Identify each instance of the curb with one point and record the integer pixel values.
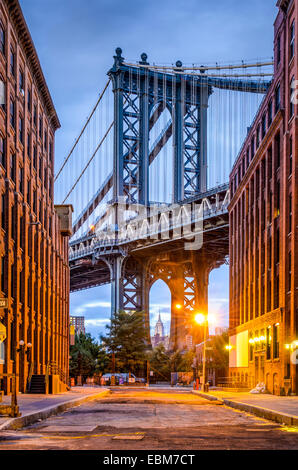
(31, 418)
(259, 411)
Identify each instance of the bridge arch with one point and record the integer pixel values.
(159, 305)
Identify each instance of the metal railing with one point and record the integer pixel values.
(30, 376)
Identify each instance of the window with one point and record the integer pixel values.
(12, 62)
(290, 156)
(290, 213)
(2, 151)
(277, 207)
(276, 341)
(21, 179)
(34, 201)
(45, 178)
(40, 127)
(277, 246)
(34, 157)
(2, 39)
(251, 347)
(2, 274)
(12, 166)
(290, 271)
(13, 222)
(292, 98)
(21, 129)
(277, 99)
(3, 211)
(29, 145)
(278, 50)
(50, 188)
(247, 159)
(29, 100)
(258, 135)
(12, 113)
(263, 126)
(51, 150)
(269, 163)
(28, 191)
(277, 151)
(21, 81)
(35, 115)
(45, 140)
(262, 339)
(40, 167)
(2, 93)
(252, 147)
(268, 293)
(268, 342)
(292, 40)
(270, 112)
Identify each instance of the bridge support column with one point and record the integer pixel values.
(116, 287)
(178, 331)
(130, 287)
(202, 266)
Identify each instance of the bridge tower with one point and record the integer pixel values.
(140, 97)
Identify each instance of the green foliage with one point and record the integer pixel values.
(219, 354)
(127, 339)
(217, 357)
(163, 362)
(87, 357)
(160, 363)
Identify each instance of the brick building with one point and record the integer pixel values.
(34, 274)
(79, 324)
(263, 228)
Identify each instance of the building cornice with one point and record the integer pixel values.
(283, 5)
(17, 17)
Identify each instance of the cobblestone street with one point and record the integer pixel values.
(151, 419)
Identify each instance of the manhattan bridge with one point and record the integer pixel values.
(148, 180)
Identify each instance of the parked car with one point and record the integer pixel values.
(122, 378)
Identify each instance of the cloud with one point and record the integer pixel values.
(97, 322)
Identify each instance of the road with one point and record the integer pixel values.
(151, 419)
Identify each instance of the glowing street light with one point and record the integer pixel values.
(202, 319)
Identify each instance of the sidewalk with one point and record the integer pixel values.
(34, 407)
(280, 409)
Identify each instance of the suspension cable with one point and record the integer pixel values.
(82, 131)
(193, 68)
(89, 161)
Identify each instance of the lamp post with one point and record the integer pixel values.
(202, 319)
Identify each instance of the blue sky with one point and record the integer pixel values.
(75, 41)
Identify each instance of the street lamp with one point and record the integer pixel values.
(202, 319)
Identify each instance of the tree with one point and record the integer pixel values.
(163, 362)
(160, 363)
(219, 354)
(83, 356)
(103, 360)
(127, 339)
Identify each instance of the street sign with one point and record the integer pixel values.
(2, 332)
(3, 302)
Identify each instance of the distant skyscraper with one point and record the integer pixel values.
(159, 335)
(159, 328)
(78, 323)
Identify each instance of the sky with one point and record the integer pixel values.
(76, 40)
